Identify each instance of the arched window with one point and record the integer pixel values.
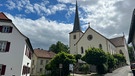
(82, 50)
(121, 52)
(100, 46)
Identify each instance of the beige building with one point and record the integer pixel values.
(39, 60)
(79, 41)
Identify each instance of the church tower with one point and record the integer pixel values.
(75, 35)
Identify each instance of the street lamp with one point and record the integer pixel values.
(60, 66)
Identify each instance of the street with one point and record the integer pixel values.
(123, 71)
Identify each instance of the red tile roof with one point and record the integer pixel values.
(118, 41)
(44, 53)
(4, 17)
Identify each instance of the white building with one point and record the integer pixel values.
(39, 60)
(15, 50)
(79, 41)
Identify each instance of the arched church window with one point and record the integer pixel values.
(121, 52)
(74, 37)
(100, 46)
(82, 51)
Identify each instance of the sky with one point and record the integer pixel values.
(45, 22)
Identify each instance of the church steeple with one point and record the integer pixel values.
(76, 27)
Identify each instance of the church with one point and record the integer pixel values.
(80, 41)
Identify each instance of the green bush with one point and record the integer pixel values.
(102, 69)
(61, 58)
(84, 68)
(111, 61)
(121, 58)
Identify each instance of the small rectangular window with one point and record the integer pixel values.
(74, 37)
(2, 69)
(41, 69)
(41, 62)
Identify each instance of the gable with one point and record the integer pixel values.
(91, 38)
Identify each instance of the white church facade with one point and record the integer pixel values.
(79, 41)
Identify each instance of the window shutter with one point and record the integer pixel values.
(30, 55)
(7, 47)
(10, 29)
(1, 28)
(3, 69)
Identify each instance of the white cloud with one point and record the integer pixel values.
(11, 4)
(42, 32)
(41, 8)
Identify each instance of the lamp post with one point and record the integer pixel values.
(60, 66)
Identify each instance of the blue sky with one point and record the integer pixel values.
(47, 21)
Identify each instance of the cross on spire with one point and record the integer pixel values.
(88, 24)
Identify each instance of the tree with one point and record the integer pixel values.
(111, 62)
(61, 58)
(77, 56)
(97, 57)
(59, 47)
(121, 58)
(131, 54)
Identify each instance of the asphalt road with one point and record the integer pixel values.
(124, 71)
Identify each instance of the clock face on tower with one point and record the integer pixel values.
(89, 37)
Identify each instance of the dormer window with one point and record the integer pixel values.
(6, 29)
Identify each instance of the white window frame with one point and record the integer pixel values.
(3, 45)
(6, 29)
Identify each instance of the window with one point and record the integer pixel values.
(2, 69)
(82, 50)
(121, 52)
(89, 37)
(26, 70)
(41, 62)
(100, 46)
(4, 46)
(40, 69)
(74, 37)
(28, 53)
(6, 29)
(47, 61)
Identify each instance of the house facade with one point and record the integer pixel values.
(131, 38)
(15, 49)
(39, 60)
(79, 41)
